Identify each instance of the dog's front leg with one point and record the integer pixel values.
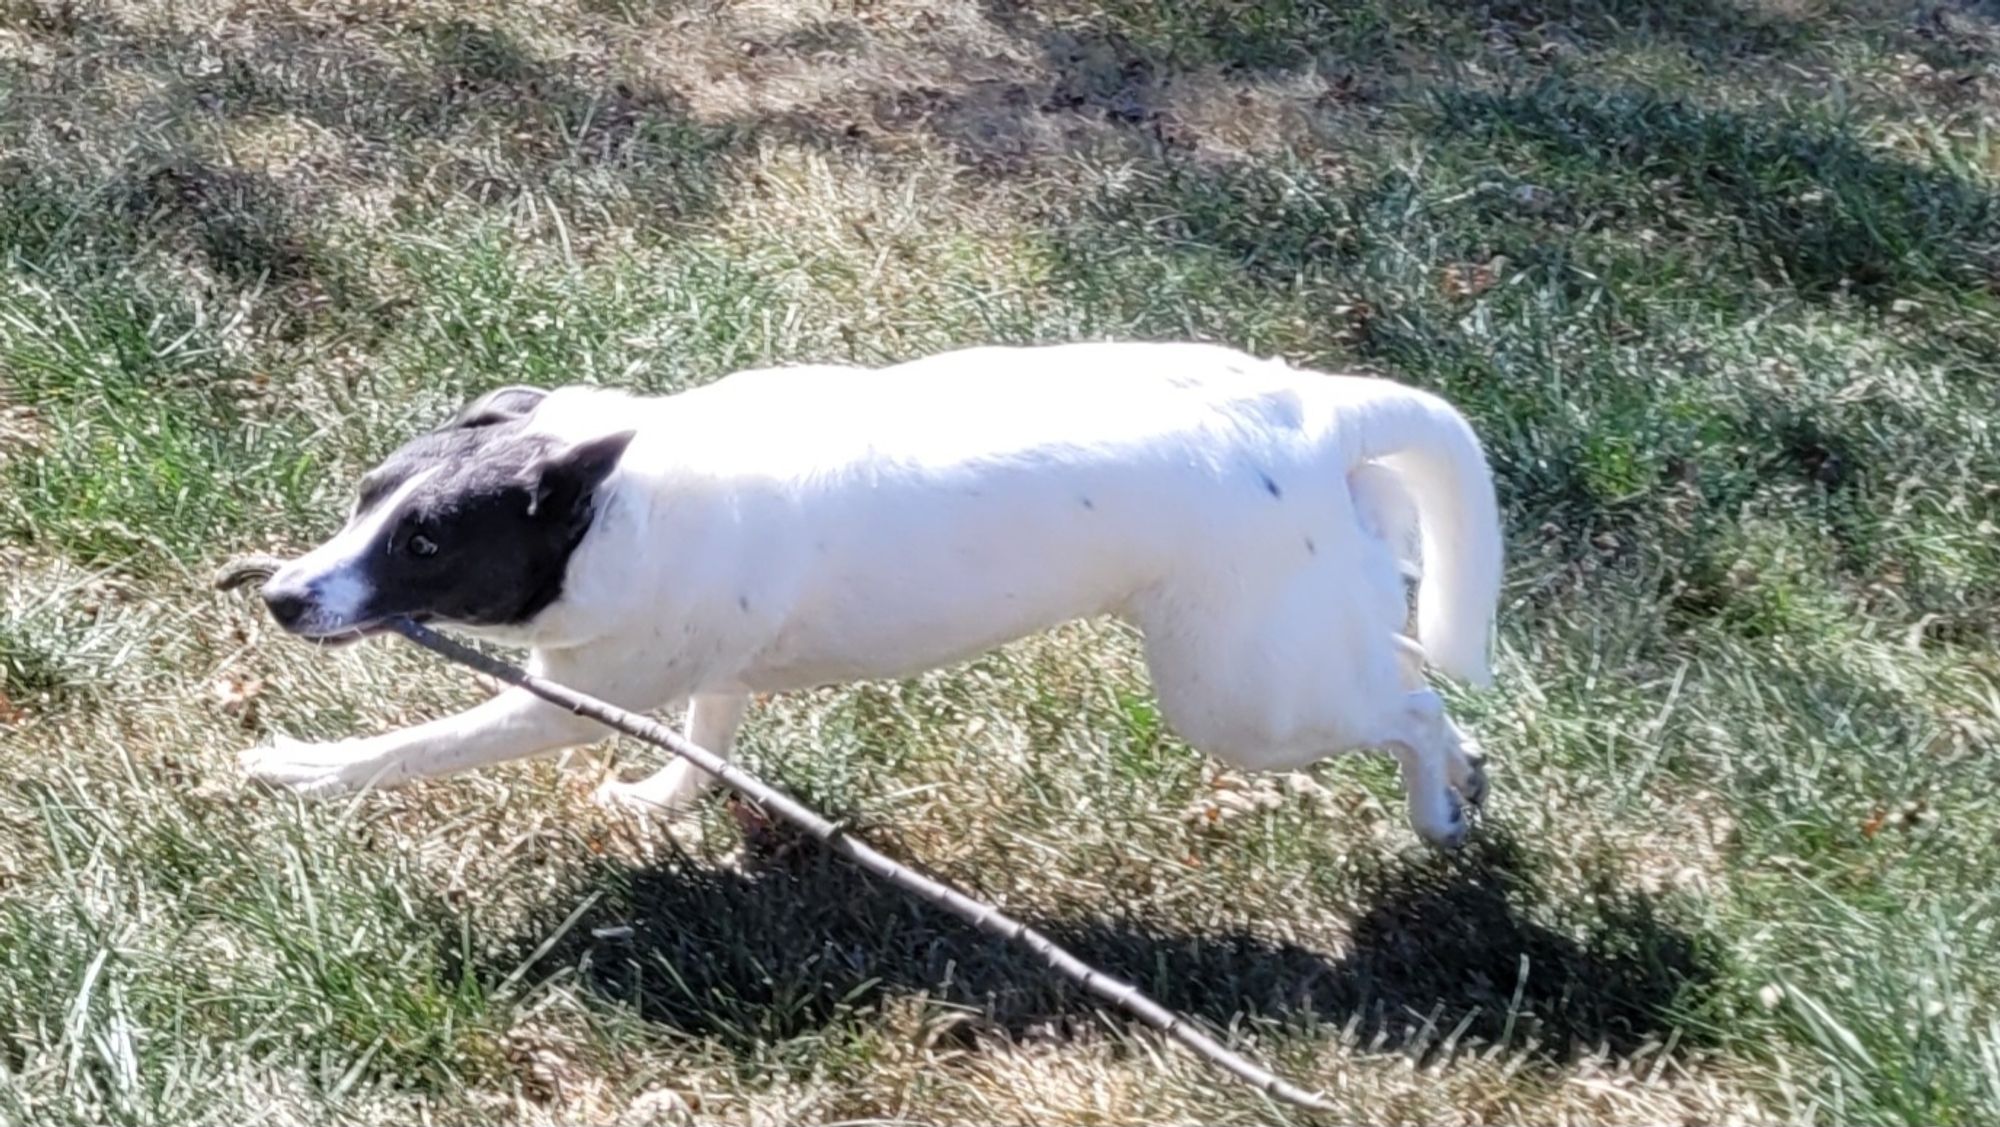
(712, 721)
(513, 725)
(510, 726)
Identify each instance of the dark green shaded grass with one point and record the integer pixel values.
(1813, 208)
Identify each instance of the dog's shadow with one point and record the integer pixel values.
(1442, 956)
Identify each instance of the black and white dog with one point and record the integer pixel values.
(793, 527)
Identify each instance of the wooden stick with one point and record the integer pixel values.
(983, 916)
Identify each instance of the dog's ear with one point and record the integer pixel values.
(501, 405)
(561, 481)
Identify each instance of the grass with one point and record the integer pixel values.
(1716, 281)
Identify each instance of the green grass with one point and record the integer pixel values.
(1716, 282)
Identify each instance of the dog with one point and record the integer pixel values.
(790, 527)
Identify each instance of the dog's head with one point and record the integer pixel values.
(473, 523)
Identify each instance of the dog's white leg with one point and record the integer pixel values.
(513, 725)
(510, 726)
(1463, 764)
(1433, 766)
(712, 722)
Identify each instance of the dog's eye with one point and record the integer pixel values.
(422, 546)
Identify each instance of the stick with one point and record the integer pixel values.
(243, 569)
(982, 916)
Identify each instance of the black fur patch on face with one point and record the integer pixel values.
(485, 540)
(482, 520)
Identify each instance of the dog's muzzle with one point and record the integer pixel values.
(290, 605)
(301, 609)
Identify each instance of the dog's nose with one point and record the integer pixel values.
(288, 604)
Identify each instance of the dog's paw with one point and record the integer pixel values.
(661, 796)
(1449, 831)
(627, 801)
(1472, 788)
(316, 770)
(655, 819)
(640, 803)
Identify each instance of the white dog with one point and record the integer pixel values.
(791, 527)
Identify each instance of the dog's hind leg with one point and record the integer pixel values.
(1464, 766)
(1436, 771)
(512, 725)
(712, 721)
(1290, 676)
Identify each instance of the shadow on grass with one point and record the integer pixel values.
(489, 120)
(521, 123)
(1268, 36)
(1438, 948)
(1800, 205)
(469, 114)
(1120, 76)
(1811, 208)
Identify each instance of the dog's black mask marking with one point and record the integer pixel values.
(485, 537)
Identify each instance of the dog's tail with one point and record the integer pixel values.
(1437, 460)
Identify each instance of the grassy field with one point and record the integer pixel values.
(1715, 279)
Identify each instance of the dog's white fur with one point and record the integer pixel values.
(791, 527)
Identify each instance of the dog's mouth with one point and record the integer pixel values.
(343, 638)
(348, 635)
(260, 568)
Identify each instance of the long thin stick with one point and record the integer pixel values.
(980, 915)
(983, 916)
